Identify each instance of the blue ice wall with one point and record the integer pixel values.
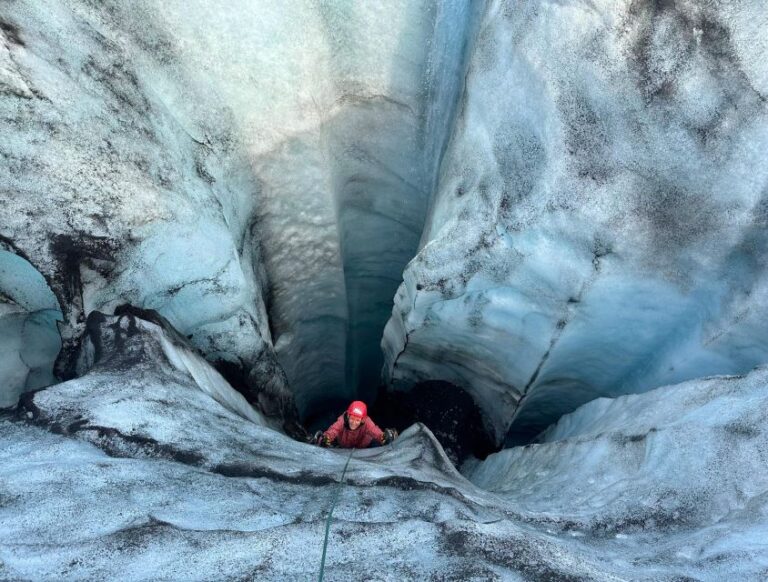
(599, 225)
(29, 338)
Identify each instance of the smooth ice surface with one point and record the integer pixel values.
(600, 222)
(29, 339)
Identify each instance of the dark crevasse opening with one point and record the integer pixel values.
(447, 410)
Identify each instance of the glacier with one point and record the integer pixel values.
(531, 234)
(148, 474)
(199, 191)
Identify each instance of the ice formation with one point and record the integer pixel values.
(29, 339)
(200, 153)
(123, 183)
(600, 223)
(189, 489)
(207, 212)
(672, 459)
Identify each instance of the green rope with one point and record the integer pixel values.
(336, 496)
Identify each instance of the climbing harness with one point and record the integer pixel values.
(328, 520)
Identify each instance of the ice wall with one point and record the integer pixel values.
(218, 164)
(123, 179)
(346, 154)
(344, 110)
(600, 223)
(29, 339)
(260, 176)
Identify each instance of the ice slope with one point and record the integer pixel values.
(681, 467)
(689, 454)
(190, 490)
(70, 512)
(144, 476)
(600, 223)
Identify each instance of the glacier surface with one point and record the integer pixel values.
(147, 475)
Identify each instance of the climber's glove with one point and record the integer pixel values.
(320, 439)
(390, 434)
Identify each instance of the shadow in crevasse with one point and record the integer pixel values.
(447, 410)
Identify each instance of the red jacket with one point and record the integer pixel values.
(360, 438)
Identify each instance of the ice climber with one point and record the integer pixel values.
(355, 430)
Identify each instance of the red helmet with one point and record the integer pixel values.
(357, 408)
